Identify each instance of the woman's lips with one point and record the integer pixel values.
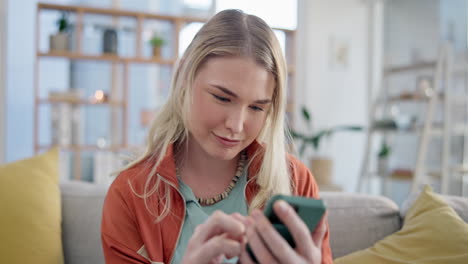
(226, 141)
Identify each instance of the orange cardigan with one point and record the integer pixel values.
(129, 233)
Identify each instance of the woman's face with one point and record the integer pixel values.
(231, 100)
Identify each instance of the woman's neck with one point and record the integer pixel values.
(206, 175)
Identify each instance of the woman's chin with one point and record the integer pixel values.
(224, 153)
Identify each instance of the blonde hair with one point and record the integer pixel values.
(228, 33)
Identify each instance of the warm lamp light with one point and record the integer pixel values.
(99, 97)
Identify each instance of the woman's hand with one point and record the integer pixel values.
(221, 235)
(268, 245)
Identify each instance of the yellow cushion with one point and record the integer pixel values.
(30, 218)
(432, 233)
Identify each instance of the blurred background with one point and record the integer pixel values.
(377, 90)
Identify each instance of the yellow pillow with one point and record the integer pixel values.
(432, 233)
(30, 214)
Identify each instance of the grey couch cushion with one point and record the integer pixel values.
(81, 222)
(357, 221)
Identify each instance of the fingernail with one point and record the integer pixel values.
(282, 206)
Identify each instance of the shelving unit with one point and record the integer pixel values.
(438, 94)
(118, 95)
(113, 103)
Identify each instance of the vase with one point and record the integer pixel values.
(58, 42)
(382, 166)
(109, 42)
(156, 51)
(322, 169)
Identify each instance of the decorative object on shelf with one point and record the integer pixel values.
(61, 124)
(382, 162)
(71, 96)
(99, 97)
(157, 42)
(109, 41)
(60, 41)
(65, 117)
(321, 167)
(105, 163)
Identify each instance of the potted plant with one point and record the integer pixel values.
(321, 166)
(382, 162)
(157, 42)
(59, 41)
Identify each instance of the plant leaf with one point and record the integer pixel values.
(306, 116)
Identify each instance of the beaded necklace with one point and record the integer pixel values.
(225, 193)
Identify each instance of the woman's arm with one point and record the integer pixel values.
(121, 241)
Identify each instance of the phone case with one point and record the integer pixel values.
(308, 209)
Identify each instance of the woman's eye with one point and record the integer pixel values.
(256, 108)
(220, 98)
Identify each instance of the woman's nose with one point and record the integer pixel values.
(235, 121)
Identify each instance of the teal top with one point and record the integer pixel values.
(196, 214)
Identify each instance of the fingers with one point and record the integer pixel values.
(256, 243)
(244, 258)
(319, 232)
(296, 227)
(240, 218)
(216, 246)
(218, 223)
(279, 247)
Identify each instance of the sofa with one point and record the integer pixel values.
(356, 221)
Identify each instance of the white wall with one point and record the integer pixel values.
(20, 58)
(334, 96)
(3, 27)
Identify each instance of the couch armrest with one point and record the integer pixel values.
(357, 221)
(81, 222)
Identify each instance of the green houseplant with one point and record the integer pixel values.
(382, 162)
(320, 166)
(157, 42)
(313, 139)
(62, 23)
(60, 40)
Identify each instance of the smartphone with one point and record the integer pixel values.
(308, 209)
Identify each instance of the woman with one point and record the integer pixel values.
(215, 155)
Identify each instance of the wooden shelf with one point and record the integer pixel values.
(105, 57)
(76, 148)
(410, 67)
(80, 102)
(119, 12)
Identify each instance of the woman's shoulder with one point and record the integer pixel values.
(132, 177)
(296, 163)
(304, 181)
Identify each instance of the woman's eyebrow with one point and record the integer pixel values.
(231, 93)
(225, 90)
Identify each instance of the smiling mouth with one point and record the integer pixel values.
(227, 140)
(230, 140)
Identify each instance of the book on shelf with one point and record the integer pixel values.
(69, 96)
(66, 125)
(105, 163)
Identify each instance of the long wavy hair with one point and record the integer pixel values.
(228, 33)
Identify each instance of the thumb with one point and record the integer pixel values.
(319, 232)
